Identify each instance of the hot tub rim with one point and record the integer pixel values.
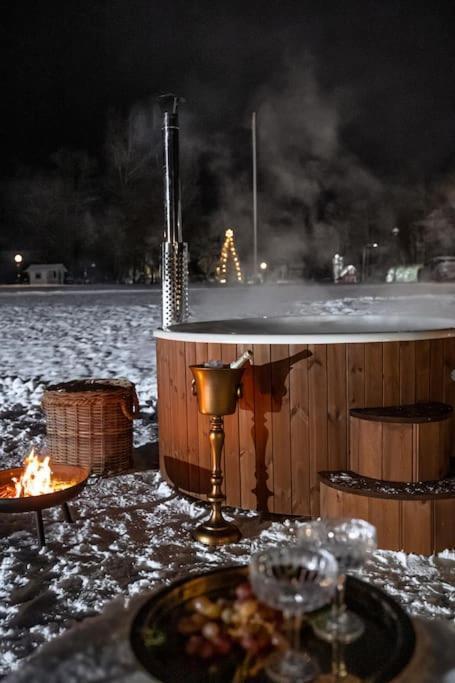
(276, 338)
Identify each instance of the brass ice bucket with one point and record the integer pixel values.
(217, 391)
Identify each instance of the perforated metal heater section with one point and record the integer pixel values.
(174, 269)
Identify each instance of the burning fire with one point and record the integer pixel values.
(36, 479)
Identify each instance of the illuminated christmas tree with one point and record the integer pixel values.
(228, 256)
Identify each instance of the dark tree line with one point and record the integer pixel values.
(103, 217)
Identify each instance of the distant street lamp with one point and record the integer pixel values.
(365, 257)
(18, 261)
(263, 265)
(396, 255)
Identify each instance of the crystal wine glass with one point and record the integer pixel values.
(350, 541)
(294, 580)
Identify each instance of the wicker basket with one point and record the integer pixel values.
(90, 422)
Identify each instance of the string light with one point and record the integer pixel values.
(228, 250)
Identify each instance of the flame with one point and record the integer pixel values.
(35, 480)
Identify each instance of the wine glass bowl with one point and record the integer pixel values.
(350, 541)
(294, 580)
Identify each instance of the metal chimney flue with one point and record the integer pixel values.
(174, 252)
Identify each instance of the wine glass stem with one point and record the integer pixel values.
(339, 604)
(339, 669)
(293, 627)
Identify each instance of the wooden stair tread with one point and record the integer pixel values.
(350, 482)
(431, 411)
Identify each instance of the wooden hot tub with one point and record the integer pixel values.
(293, 419)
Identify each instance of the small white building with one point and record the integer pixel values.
(46, 273)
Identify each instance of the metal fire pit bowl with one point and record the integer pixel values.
(48, 500)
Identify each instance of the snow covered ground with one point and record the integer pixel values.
(132, 530)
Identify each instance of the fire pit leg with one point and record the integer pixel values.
(40, 528)
(67, 513)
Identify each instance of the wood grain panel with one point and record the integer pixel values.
(385, 516)
(263, 427)
(168, 465)
(355, 506)
(437, 370)
(231, 443)
(407, 372)
(247, 449)
(417, 529)
(444, 525)
(356, 375)
(317, 396)
(162, 383)
(422, 370)
(337, 445)
(397, 452)
(354, 454)
(281, 431)
(391, 373)
(331, 502)
(432, 455)
(179, 414)
(373, 375)
(370, 448)
(192, 423)
(300, 429)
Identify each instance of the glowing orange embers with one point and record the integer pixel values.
(35, 480)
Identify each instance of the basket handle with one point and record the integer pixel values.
(135, 415)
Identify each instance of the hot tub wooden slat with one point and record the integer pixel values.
(336, 406)
(246, 436)
(422, 370)
(432, 450)
(407, 372)
(417, 526)
(373, 374)
(356, 374)
(317, 394)
(192, 422)
(370, 449)
(231, 484)
(397, 443)
(391, 373)
(180, 425)
(163, 410)
(436, 369)
(444, 514)
(300, 431)
(281, 426)
(263, 426)
(385, 516)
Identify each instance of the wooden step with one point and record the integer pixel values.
(406, 443)
(416, 517)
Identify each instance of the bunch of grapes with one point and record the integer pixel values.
(216, 627)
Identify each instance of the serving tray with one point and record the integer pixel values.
(378, 656)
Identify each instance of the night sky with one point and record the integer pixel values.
(64, 64)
